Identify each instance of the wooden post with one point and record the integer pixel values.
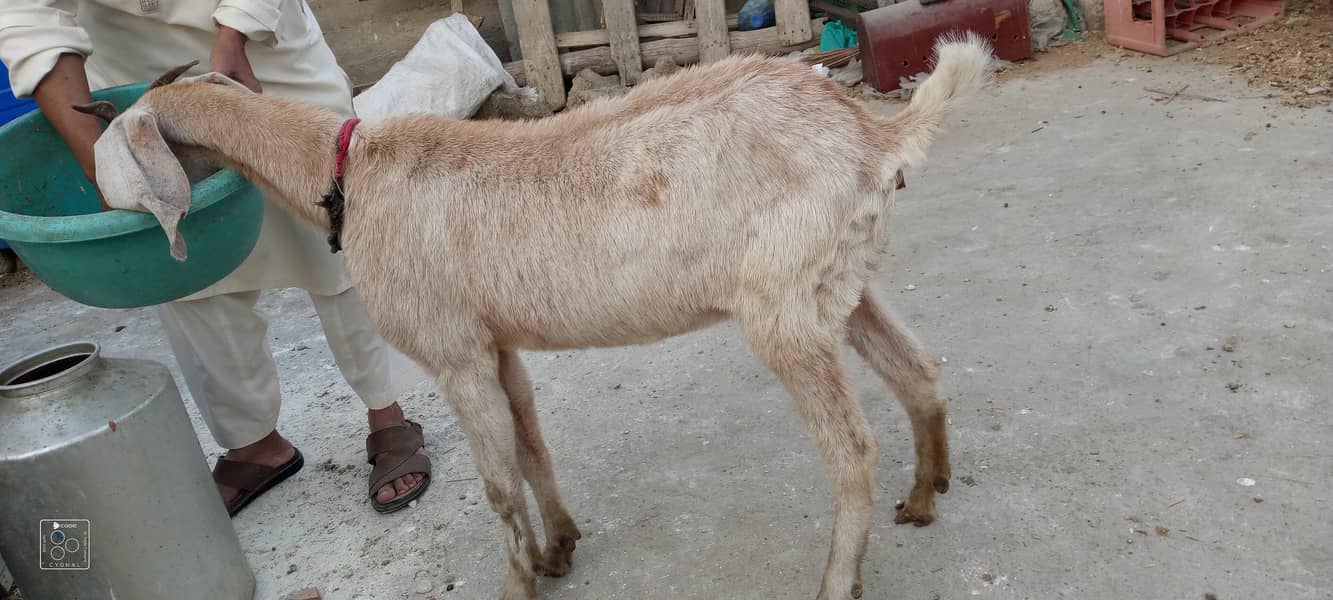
(793, 20)
(623, 31)
(712, 18)
(541, 60)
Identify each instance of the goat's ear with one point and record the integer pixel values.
(136, 170)
(216, 78)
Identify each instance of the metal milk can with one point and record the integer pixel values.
(105, 493)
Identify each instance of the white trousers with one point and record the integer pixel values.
(221, 344)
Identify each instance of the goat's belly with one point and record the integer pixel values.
(572, 330)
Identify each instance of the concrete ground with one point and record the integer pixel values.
(1133, 299)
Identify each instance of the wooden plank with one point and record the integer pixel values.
(599, 37)
(511, 29)
(793, 20)
(711, 16)
(541, 60)
(623, 33)
(683, 51)
(848, 15)
(658, 17)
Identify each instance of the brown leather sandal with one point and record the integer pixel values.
(251, 479)
(393, 451)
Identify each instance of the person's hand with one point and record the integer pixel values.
(228, 57)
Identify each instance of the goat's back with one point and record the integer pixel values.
(625, 220)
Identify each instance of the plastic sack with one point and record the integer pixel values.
(756, 14)
(450, 72)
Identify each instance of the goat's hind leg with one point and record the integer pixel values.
(905, 365)
(535, 462)
(805, 357)
(473, 389)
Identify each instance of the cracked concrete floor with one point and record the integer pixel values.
(1082, 252)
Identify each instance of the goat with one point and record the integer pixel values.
(752, 188)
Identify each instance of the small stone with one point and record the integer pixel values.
(1258, 500)
(291, 569)
(1050, 308)
(502, 105)
(120, 328)
(424, 587)
(663, 67)
(412, 504)
(910, 287)
(310, 593)
(1228, 347)
(1319, 89)
(987, 577)
(1289, 325)
(1246, 482)
(589, 86)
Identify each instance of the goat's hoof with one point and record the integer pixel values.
(941, 485)
(519, 589)
(856, 591)
(559, 559)
(906, 515)
(557, 564)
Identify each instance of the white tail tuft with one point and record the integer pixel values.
(963, 65)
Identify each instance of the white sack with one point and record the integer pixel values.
(450, 72)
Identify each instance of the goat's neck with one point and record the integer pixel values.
(283, 146)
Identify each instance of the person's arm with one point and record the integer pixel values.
(43, 46)
(228, 57)
(62, 88)
(239, 22)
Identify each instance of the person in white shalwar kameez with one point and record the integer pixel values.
(58, 50)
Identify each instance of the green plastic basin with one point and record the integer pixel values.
(50, 215)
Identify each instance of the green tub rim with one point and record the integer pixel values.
(17, 227)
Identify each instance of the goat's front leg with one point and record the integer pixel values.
(475, 394)
(535, 461)
(809, 366)
(912, 372)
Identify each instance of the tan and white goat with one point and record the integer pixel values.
(753, 189)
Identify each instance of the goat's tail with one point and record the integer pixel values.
(963, 66)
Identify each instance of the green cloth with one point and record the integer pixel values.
(835, 36)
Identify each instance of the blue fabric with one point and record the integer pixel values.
(10, 107)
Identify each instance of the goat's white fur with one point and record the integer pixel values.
(752, 188)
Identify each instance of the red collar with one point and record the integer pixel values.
(333, 201)
(344, 144)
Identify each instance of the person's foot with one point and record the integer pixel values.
(271, 451)
(392, 416)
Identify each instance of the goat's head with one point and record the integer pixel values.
(136, 168)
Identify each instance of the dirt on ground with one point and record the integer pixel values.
(1293, 57)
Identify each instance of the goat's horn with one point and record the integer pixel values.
(171, 75)
(101, 108)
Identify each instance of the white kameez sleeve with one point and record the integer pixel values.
(257, 19)
(33, 34)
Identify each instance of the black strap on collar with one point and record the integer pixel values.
(333, 203)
